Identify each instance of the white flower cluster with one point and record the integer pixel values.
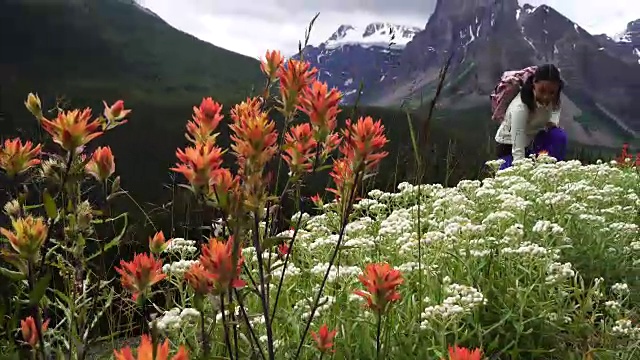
(276, 269)
(176, 318)
(462, 300)
(341, 271)
(624, 327)
(547, 227)
(181, 247)
(178, 268)
(527, 249)
(304, 306)
(558, 272)
(620, 288)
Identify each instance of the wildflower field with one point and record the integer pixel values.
(539, 261)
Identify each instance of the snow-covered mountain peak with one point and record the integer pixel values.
(622, 37)
(375, 34)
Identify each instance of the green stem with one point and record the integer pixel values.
(36, 311)
(378, 332)
(227, 341)
(203, 336)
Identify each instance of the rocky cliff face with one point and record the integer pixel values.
(352, 56)
(488, 37)
(625, 45)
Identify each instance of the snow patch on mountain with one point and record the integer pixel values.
(622, 37)
(374, 35)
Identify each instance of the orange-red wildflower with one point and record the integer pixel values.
(299, 149)
(322, 106)
(343, 177)
(317, 201)
(223, 180)
(254, 136)
(217, 259)
(294, 75)
(140, 274)
(461, 353)
(72, 129)
(198, 163)
(199, 279)
(30, 330)
(626, 159)
(28, 235)
(223, 183)
(273, 60)
(381, 282)
(324, 339)
(364, 141)
(283, 250)
(206, 119)
(158, 243)
(145, 351)
(251, 107)
(115, 114)
(102, 164)
(16, 157)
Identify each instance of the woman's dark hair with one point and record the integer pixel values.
(546, 72)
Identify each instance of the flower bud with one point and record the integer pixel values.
(84, 216)
(102, 164)
(34, 105)
(13, 209)
(158, 243)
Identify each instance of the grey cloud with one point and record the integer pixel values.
(279, 9)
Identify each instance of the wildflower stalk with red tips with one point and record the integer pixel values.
(362, 151)
(324, 339)
(380, 281)
(270, 66)
(462, 353)
(205, 121)
(148, 350)
(140, 274)
(27, 237)
(254, 140)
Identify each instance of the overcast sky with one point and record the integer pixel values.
(251, 27)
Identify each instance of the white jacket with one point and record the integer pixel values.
(520, 126)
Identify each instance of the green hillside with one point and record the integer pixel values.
(85, 51)
(115, 49)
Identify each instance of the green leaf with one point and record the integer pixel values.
(274, 241)
(49, 205)
(14, 259)
(115, 186)
(115, 241)
(3, 312)
(370, 175)
(32, 207)
(414, 141)
(114, 195)
(39, 289)
(323, 167)
(13, 275)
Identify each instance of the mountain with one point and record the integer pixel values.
(488, 37)
(351, 56)
(625, 45)
(75, 53)
(112, 48)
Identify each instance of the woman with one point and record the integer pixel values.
(530, 124)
